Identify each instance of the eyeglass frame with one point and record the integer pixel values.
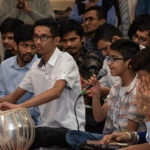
(39, 37)
(90, 19)
(140, 38)
(113, 59)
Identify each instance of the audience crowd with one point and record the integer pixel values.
(50, 66)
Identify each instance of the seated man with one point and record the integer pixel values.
(81, 6)
(7, 35)
(104, 36)
(14, 69)
(55, 81)
(118, 110)
(72, 42)
(142, 36)
(87, 61)
(93, 18)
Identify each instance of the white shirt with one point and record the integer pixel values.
(148, 132)
(59, 112)
(109, 80)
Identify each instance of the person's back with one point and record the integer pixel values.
(31, 11)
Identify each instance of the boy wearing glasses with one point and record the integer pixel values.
(55, 81)
(118, 110)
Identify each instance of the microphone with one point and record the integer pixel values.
(101, 73)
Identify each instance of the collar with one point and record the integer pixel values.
(131, 87)
(52, 60)
(15, 65)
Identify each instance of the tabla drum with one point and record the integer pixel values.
(17, 130)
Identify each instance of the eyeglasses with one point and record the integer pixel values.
(42, 37)
(90, 19)
(140, 38)
(113, 59)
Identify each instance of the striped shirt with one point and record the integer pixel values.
(120, 109)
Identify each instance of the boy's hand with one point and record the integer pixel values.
(6, 106)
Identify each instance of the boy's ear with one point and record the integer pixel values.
(128, 63)
(115, 38)
(102, 21)
(82, 39)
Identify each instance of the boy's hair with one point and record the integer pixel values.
(137, 22)
(50, 23)
(106, 32)
(101, 13)
(145, 27)
(70, 25)
(23, 33)
(142, 60)
(127, 48)
(9, 25)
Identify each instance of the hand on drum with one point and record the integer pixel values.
(6, 106)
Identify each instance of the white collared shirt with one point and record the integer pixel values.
(59, 112)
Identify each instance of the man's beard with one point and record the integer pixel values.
(22, 57)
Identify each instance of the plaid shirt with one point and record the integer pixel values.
(120, 109)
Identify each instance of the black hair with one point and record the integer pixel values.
(127, 48)
(23, 33)
(70, 25)
(50, 23)
(101, 12)
(9, 25)
(106, 32)
(141, 61)
(137, 22)
(145, 27)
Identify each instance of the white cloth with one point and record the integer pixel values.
(59, 112)
(109, 80)
(148, 132)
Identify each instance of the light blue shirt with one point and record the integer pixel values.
(148, 132)
(111, 16)
(10, 77)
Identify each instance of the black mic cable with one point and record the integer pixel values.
(101, 73)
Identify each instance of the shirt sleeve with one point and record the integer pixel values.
(75, 14)
(68, 70)
(133, 114)
(26, 83)
(140, 7)
(148, 132)
(2, 87)
(111, 16)
(46, 9)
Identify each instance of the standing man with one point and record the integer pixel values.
(13, 70)
(7, 35)
(55, 81)
(27, 10)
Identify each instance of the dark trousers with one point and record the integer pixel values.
(48, 137)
